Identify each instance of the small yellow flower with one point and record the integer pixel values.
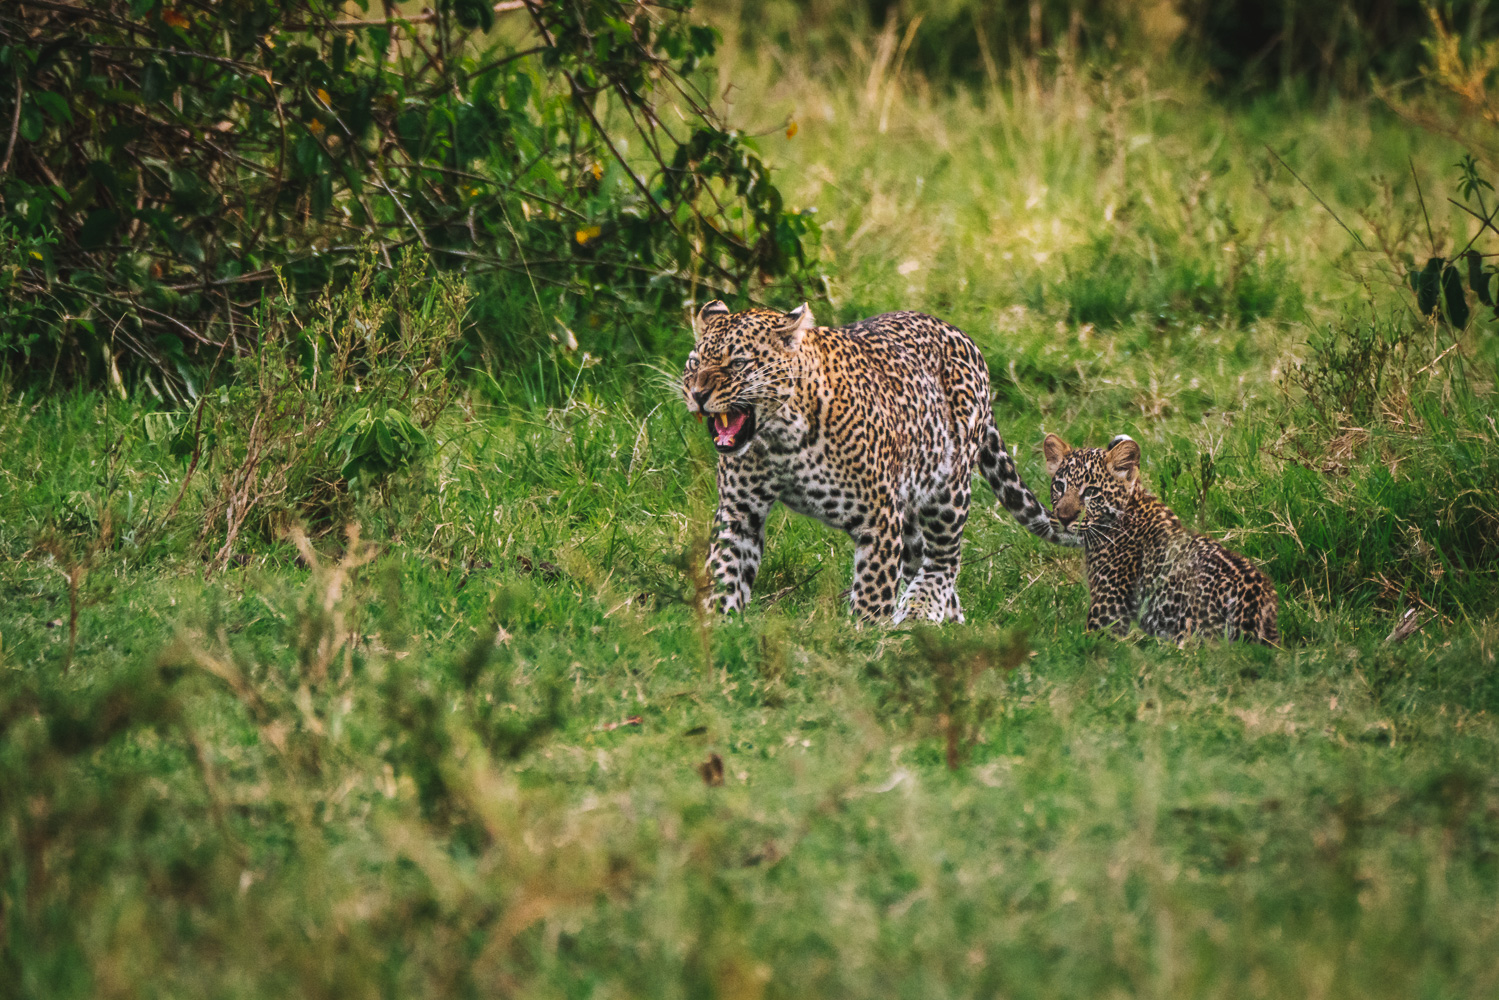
(175, 19)
(584, 235)
(597, 170)
(36, 255)
(791, 129)
(322, 95)
(315, 127)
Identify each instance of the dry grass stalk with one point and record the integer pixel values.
(1408, 625)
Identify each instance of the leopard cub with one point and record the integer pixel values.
(1142, 564)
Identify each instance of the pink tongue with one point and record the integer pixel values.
(725, 435)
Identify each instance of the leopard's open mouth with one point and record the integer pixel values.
(732, 430)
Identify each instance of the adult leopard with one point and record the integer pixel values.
(873, 428)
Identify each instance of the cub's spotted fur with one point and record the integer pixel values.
(1142, 563)
(872, 428)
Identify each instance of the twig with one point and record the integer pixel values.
(91, 15)
(1483, 220)
(505, 7)
(580, 99)
(792, 588)
(1438, 359)
(1315, 195)
(1408, 624)
(990, 555)
(186, 54)
(15, 124)
(1422, 199)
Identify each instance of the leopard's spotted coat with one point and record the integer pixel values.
(873, 428)
(1142, 563)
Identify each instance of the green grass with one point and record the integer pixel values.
(474, 764)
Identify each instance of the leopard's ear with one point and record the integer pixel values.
(797, 322)
(1055, 450)
(1123, 459)
(700, 322)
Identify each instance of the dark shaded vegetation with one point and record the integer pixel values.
(1242, 49)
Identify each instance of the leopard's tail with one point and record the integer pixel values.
(998, 468)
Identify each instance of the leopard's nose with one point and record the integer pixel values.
(1066, 519)
(701, 398)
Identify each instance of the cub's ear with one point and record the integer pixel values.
(797, 322)
(1055, 449)
(1123, 459)
(700, 322)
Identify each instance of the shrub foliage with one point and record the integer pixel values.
(165, 159)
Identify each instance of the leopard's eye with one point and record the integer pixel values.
(1057, 486)
(738, 364)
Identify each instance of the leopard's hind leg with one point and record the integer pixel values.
(933, 594)
(913, 547)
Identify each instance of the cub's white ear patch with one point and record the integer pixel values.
(716, 306)
(1123, 459)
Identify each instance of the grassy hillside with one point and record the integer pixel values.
(484, 745)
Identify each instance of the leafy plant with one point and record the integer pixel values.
(1355, 365)
(1439, 284)
(374, 445)
(332, 398)
(938, 676)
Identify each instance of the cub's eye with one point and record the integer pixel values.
(738, 364)
(1089, 492)
(1057, 486)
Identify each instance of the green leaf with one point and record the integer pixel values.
(1453, 299)
(411, 126)
(99, 227)
(386, 443)
(55, 105)
(32, 122)
(154, 82)
(1427, 285)
(1478, 279)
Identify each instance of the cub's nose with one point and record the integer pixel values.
(701, 398)
(1066, 519)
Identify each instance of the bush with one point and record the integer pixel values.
(1396, 467)
(320, 410)
(170, 164)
